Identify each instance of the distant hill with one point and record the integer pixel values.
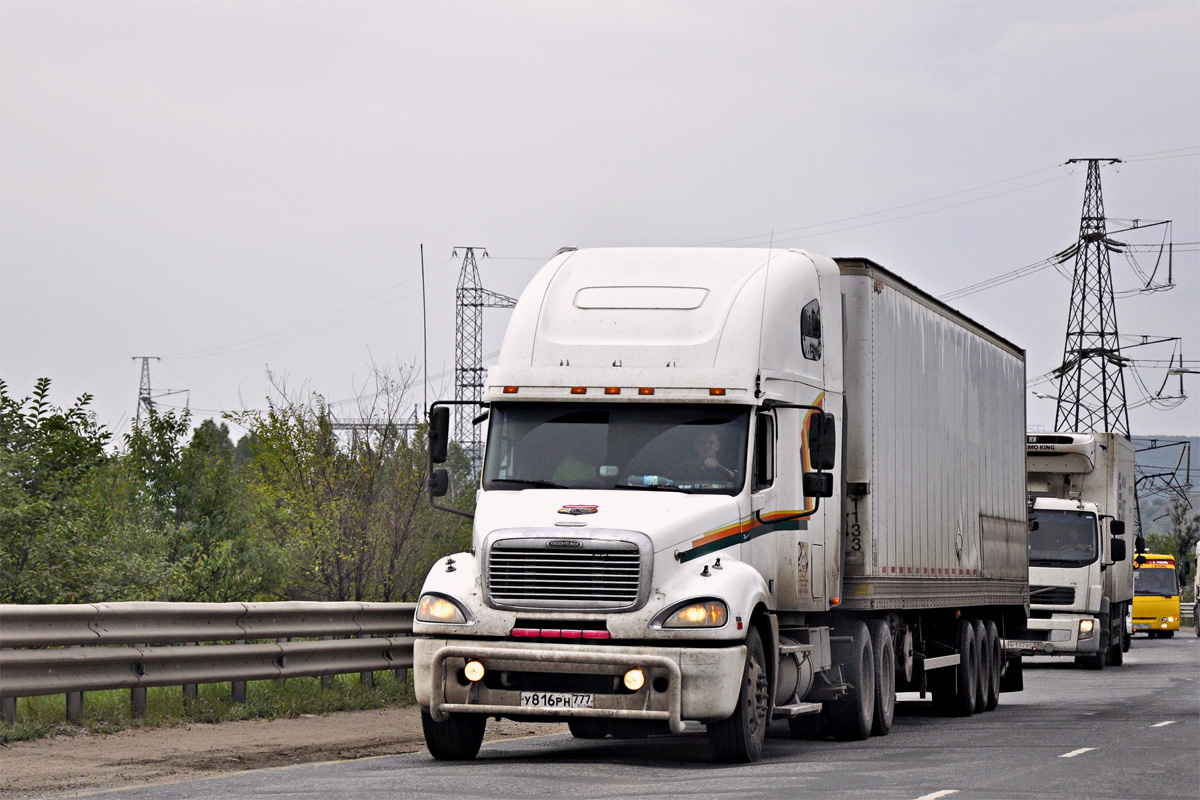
(1159, 460)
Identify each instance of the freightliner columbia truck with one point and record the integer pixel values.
(730, 486)
(1083, 514)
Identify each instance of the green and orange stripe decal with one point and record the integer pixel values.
(743, 531)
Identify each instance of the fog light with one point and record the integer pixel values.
(473, 670)
(634, 679)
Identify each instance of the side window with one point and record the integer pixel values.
(810, 331)
(764, 452)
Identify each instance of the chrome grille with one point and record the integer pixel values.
(1051, 595)
(541, 573)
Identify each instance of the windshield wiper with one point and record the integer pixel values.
(526, 483)
(652, 488)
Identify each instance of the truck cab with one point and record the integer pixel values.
(1080, 576)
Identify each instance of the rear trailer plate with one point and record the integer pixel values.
(557, 700)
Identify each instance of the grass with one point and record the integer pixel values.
(109, 711)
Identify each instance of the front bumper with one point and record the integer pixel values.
(682, 683)
(1057, 636)
(1147, 624)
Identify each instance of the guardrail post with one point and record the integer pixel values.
(8, 709)
(366, 679)
(191, 691)
(75, 708)
(326, 680)
(137, 699)
(137, 702)
(237, 689)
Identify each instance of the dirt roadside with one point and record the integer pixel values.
(90, 762)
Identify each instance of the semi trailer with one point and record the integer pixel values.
(730, 486)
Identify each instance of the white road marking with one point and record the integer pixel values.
(1163, 724)
(1074, 753)
(936, 795)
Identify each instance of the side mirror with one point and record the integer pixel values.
(439, 483)
(1139, 544)
(822, 442)
(818, 484)
(1116, 528)
(439, 435)
(1118, 548)
(1140, 560)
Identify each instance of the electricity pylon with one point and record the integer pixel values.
(1091, 379)
(145, 400)
(471, 298)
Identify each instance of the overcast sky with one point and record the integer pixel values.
(245, 185)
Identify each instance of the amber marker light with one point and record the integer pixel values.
(717, 392)
(578, 390)
(635, 679)
(833, 601)
(612, 389)
(646, 390)
(511, 389)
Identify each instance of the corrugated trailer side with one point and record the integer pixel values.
(934, 505)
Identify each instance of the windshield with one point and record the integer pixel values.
(1062, 539)
(1158, 581)
(661, 447)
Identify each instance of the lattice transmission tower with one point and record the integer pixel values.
(471, 298)
(145, 400)
(1091, 379)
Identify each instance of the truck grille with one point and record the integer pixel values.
(1051, 595)
(542, 573)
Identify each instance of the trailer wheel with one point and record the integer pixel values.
(983, 661)
(852, 716)
(954, 690)
(994, 652)
(885, 677)
(456, 739)
(739, 739)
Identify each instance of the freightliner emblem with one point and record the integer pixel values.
(575, 511)
(564, 543)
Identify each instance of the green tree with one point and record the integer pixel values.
(1180, 538)
(46, 453)
(348, 501)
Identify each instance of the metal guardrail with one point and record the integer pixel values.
(64, 649)
(1187, 610)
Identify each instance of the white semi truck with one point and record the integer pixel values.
(1081, 543)
(730, 486)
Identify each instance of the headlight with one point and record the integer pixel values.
(707, 613)
(1086, 626)
(436, 608)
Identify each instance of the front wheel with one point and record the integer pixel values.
(456, 739)
(739, 739)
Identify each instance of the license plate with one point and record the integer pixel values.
(1017, 644)
(557, 700)
(1142, 627)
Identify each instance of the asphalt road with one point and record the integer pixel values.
(1129, 732)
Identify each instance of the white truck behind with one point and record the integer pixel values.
(729, 486)
(1083, 527)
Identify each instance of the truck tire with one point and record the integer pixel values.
(1116, 653)
(983, 661)
(852, 715)
(954, 690)
(587, 728)
(1100, 658)
(739, 739)
(456, 739)
(995, 654)
(884, 648)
